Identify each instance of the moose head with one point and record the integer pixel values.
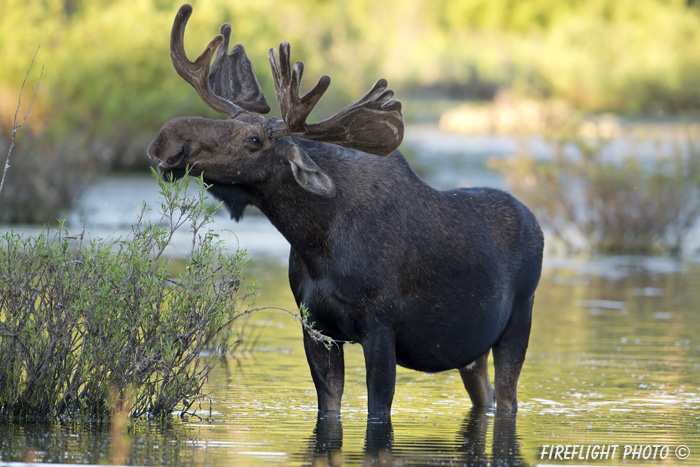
(245, 147)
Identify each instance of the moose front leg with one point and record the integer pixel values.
(328, 372)
(380, 363)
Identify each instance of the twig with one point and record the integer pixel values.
(317, 336)
(16, 126)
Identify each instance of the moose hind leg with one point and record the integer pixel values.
(327, 367)
(509, 355)
(475, 377)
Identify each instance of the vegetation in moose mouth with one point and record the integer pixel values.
(172, 174)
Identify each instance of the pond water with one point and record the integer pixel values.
(613, 368)
(614, 359)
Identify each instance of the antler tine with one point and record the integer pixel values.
(197, 73)
(372, 124)
(232, 76)
(287, 80)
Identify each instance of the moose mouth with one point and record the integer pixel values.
(174, 173)
(171, 174)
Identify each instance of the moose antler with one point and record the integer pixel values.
(372, 124)
(233, 78)
(295, 110)
(230, 86)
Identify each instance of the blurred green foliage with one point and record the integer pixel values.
(108, 83)
(108, 72)
(589, 198)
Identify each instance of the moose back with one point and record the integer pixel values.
(430, 280)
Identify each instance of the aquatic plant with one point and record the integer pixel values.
(92, 326)
(588, 198)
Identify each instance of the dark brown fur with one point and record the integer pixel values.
(426, 279)
(431, 280)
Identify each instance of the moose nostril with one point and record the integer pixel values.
(173, 160)
(177, 158)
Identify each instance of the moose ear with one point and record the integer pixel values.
(308, 174)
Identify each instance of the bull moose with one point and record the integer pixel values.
(429, 280)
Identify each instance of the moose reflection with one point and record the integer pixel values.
(430, 280)
(469, 448)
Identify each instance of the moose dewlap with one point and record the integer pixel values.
(430, 280)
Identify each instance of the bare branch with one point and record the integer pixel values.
(317, 336)
(16, 126)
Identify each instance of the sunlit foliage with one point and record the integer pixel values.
(108, 69)
(109, 84)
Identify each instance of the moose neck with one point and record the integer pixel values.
(303, 218)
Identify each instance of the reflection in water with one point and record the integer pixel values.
(327, 439)
(89, 443)
(505, 447)
(470, 448)
(379, 439)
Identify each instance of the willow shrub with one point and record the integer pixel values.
(89, 326)
(589, 199)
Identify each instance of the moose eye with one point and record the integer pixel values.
(254, 142)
